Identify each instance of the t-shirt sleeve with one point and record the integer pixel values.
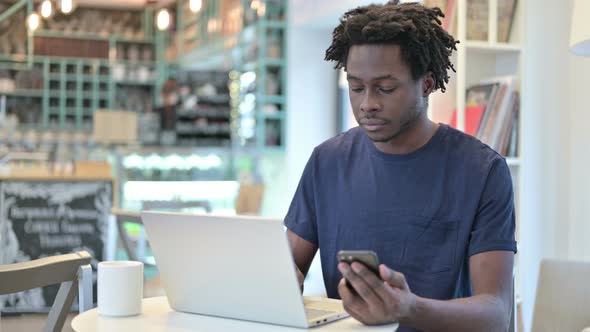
(301, 217)
(494, 224)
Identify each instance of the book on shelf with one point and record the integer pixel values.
(486, 130)
(489, 101)
(508, 124)
(448, 8)
(478, 16)
(506, 11)
(473, 115)
(477, 101)
(513, 142)
(491, 114)
(503, 108)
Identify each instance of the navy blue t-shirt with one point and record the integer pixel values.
(424, 213)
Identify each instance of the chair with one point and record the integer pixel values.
(563, 296)
(122, 217)
(72, 271)
(249, 199)
(125, 216)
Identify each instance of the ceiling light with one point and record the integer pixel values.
(46, 8)
(33, 21)
(163, 19)
(254, 4)
(261, 9)
(67, 6)
(195, 5)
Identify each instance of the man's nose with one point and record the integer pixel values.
(369, 103)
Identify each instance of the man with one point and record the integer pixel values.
(435, 204)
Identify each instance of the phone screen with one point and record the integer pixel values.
(366, 257)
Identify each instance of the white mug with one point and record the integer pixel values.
(120, 288)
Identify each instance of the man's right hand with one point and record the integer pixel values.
(300, 278)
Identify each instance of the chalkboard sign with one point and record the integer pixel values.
(47, 218)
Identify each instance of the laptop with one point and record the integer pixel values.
(233, 267)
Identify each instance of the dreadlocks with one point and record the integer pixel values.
(424, 44)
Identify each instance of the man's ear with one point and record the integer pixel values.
(428, 84)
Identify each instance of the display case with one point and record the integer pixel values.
(176, 175)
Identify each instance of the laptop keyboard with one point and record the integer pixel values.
(315, 313)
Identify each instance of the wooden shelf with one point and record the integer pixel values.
(75, 77)
(135, 63)
(511, 161)
(89, 36)
(273, 99)
(24, 93)
(273, 24)
(483, 47)
(215, 99)
(54, 93)
(273, 116)
(101, 78)
(275, 62)
(191, 115)
(252, 66)
(135, 83)
(203, 133)
(14, 57)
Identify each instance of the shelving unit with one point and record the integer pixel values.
(244, 36)
(269, 104)
(259, 102)
(73, 92)
(24, 93)
(479, 60)
(125, 77)
(203, 116)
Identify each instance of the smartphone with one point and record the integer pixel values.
(366, 257)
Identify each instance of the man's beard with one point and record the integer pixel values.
(404, 124)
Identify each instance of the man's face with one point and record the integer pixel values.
(385, 99)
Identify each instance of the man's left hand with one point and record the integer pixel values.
(375, 301)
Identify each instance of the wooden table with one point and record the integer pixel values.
(157, 316)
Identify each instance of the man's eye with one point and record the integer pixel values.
(386, 90)
(356, 89)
